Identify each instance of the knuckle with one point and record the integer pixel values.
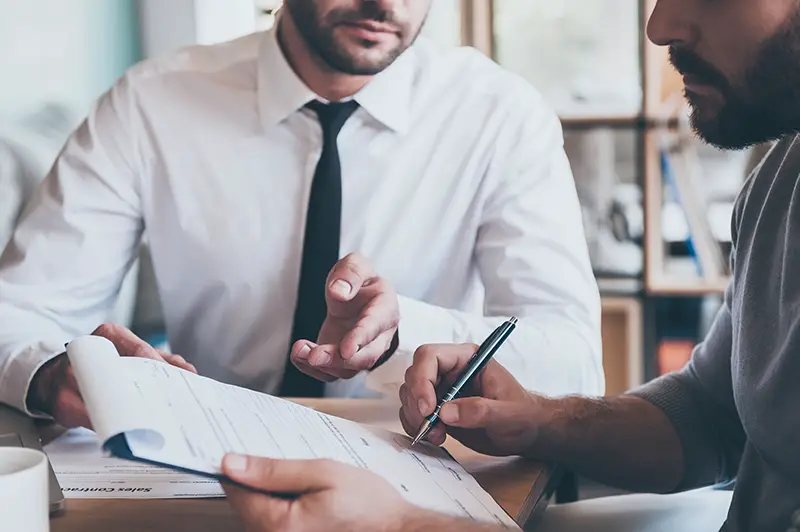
(402, 392)
(353, 270)
(423, 353)
(106, 330)
(261, 467)
(480, 409)
(142, 350)
(356, 258)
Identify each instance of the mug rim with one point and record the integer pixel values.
(37, 458)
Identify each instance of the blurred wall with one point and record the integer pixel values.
(170, 24)
(63, 51)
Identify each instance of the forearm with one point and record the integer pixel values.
(425, 521)
(624, 442)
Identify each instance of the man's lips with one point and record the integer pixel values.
(370, 29)
(698, 86)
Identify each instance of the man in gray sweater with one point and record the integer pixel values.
(731, 415)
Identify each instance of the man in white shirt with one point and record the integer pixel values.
(443, 177)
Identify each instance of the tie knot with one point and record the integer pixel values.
(332, 116)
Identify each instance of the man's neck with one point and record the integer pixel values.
(309, 67)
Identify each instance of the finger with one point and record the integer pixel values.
(323, 359)
(366, 358)
(436, 435)
(379, 318)
(347, 277)
(301, 349)
(285, 477)
(255, 509)
(475, 413)
(321, 355)
(70, 410)
(431, 365)
(412, 420)
(410, 407)
(314, 372)
(127, 343)
(177, 361)
(309, 355)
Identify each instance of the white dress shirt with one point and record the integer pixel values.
(455, 186)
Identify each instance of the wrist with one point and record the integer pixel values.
(547, 423)
(44, 386)
(563, 422)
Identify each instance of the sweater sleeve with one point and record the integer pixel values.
(699, 400)
(699, 403)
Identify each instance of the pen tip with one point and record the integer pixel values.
(513, 321)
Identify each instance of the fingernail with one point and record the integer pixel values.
(342, 288)
(449, 413)
(323, 359)
(236, 463)
(304, 351)
(423, 407)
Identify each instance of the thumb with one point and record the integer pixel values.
(474, 413)
(287, 477)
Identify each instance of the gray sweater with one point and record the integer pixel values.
(736, 406)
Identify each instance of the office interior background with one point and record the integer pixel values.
(656, 202)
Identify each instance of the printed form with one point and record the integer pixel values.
(85, 472)
(190, 421)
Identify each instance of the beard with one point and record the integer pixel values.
(361, 58)
(763, 106)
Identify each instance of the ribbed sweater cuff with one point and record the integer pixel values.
(697, 436)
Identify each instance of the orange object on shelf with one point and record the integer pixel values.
(673, 355)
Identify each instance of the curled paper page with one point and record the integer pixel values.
(113, 400)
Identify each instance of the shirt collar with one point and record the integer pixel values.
(387, 98)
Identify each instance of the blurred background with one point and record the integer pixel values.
(656, 202)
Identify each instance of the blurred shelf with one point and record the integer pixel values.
(616, 122)
(611, 286)
(622, 327)
(686, 286)
(589, 122)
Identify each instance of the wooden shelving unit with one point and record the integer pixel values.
(658, 83)
(627, 322)
(623, 360)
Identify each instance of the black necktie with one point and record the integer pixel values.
(320, 245)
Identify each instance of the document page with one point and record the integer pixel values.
(85, 472)
(180, 419)
(206, 419)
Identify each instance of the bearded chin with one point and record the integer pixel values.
(738, 125)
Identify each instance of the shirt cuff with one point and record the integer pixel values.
(422, 324)
(679, 404)
(15, 381)
(418, 326)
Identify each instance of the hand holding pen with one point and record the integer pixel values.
(482, 356)
(492, 413)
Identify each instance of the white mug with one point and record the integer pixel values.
(24, 498)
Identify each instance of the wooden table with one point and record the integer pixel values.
(515, 483)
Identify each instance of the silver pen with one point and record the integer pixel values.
(482, 356)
